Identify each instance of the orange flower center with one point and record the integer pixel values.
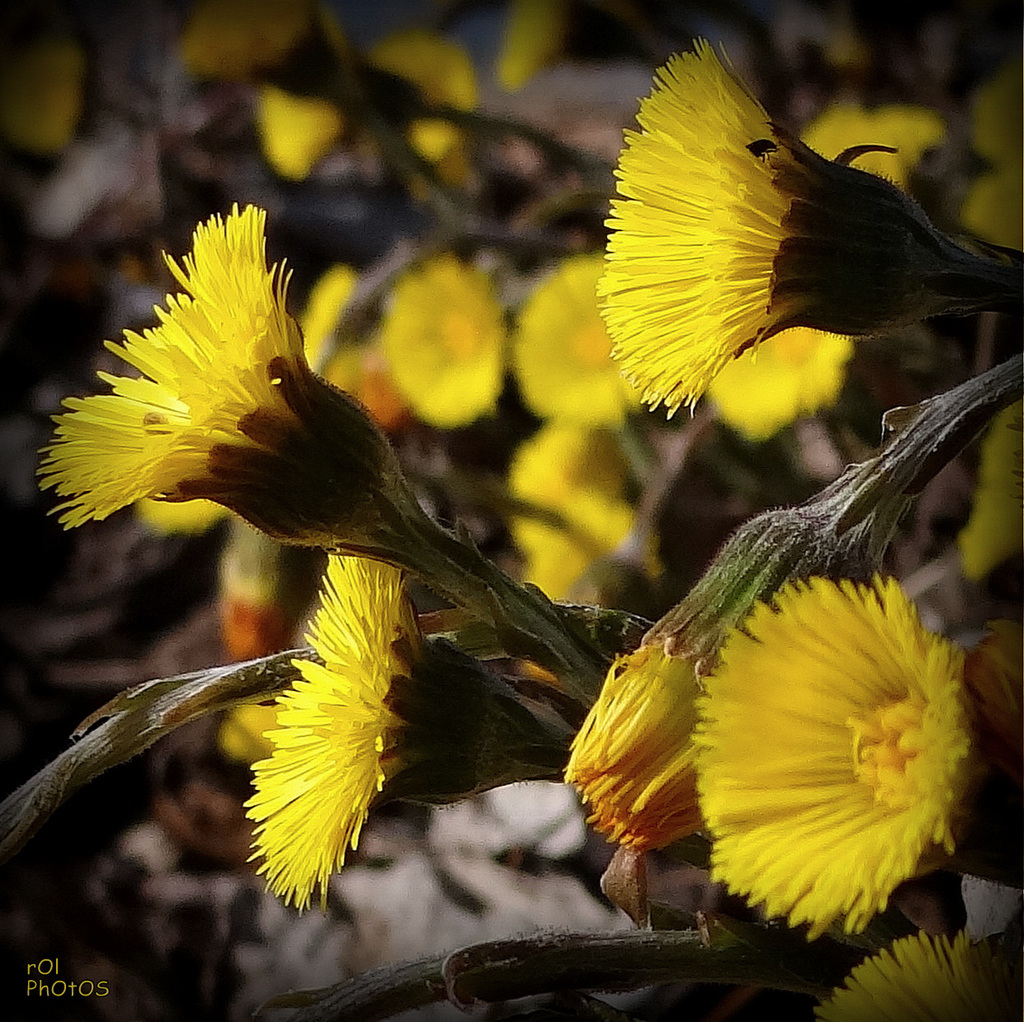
(885, 745)
(591, 345)
(794, 345)
(460, 334)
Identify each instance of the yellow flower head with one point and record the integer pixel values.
(835, 751)
(993, 672)
(226, 408)
(799, 371)
(929, 979)
(729, 230)
(908, 129)
(689, 268)
(532, 39)
(334, 746)
(579, 475)
(205, 368)
(295, 131)
(562, 352)
(41, 94)
(237, 39)
(444, 337)
(994, 207)
(632, 759)
(994, 530)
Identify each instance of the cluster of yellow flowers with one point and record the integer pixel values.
(831, 749)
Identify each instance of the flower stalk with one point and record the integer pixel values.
(844, 530)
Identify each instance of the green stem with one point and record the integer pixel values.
(845, 529)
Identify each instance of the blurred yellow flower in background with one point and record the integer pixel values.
(41, 92)
(633, 759)
(332, 750)
(324, 305)
(243, 733)
(562, 353)
(187, 517)
(238, 39)
(444, 336)
(994, 208)
(929, 979)
(531, 39)
(579, 475)
(796, 373)
(835, 751)
(995, 529)
(909, 129)
(444, 73)
(361, 370)
(295, 131)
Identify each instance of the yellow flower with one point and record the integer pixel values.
(227, 409)
(334, 745)
(328, 296)
(532, 39)
(443, 336)
(41, 94)
(929, 979)
(994, 208)
(835, 751)
(237, 39)
(695, 233)
(909, 129)
(189, 517)
(797, 372)
(243, 732)
(994, 530)
(295, 131)
(729, 230)
(205, 368)
(993, 673)
(444, 73)
(360, 370)
(632, 759)
(562, 353)
(578, 474)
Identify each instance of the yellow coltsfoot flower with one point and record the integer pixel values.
(835, 752)
(386, 715)
(444, 336)
(296, 132)
(929, 979)
(728, 230)
(335, 741)
(800, 371)
(633, 758)
(579, 475)
(694, 235)
(562, 352)
(226, 409)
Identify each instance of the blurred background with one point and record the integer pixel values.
(437, 177)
